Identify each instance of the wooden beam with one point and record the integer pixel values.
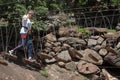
(26, 61)
(32, 63)
(5, 54)
(3, 62)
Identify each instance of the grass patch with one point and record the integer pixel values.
(111, 30)
(83, 77)
(83, 30)
(43, 72)
(3, 24)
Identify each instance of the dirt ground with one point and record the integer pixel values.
(17, 72)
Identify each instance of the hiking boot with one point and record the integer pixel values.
(31, 59)
(11, 51)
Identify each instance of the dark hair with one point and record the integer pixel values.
(31, 12)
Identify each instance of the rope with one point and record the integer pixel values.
(99, 16)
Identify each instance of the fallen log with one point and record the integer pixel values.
(25, 61)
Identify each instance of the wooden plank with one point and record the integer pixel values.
(3, 62)
(5, 54)
(26, 61)
(32, 63)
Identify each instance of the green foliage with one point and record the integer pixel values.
(41, 11)
(43, 3)
(39, 25)
(20, 9)
(54, 6)
(42, 8)
(83, 2)
(115, 2)
(68, 22)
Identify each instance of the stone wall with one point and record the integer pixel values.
(76, 51)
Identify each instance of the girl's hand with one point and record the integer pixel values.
(33, 23)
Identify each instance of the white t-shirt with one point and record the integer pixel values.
(25, 23)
